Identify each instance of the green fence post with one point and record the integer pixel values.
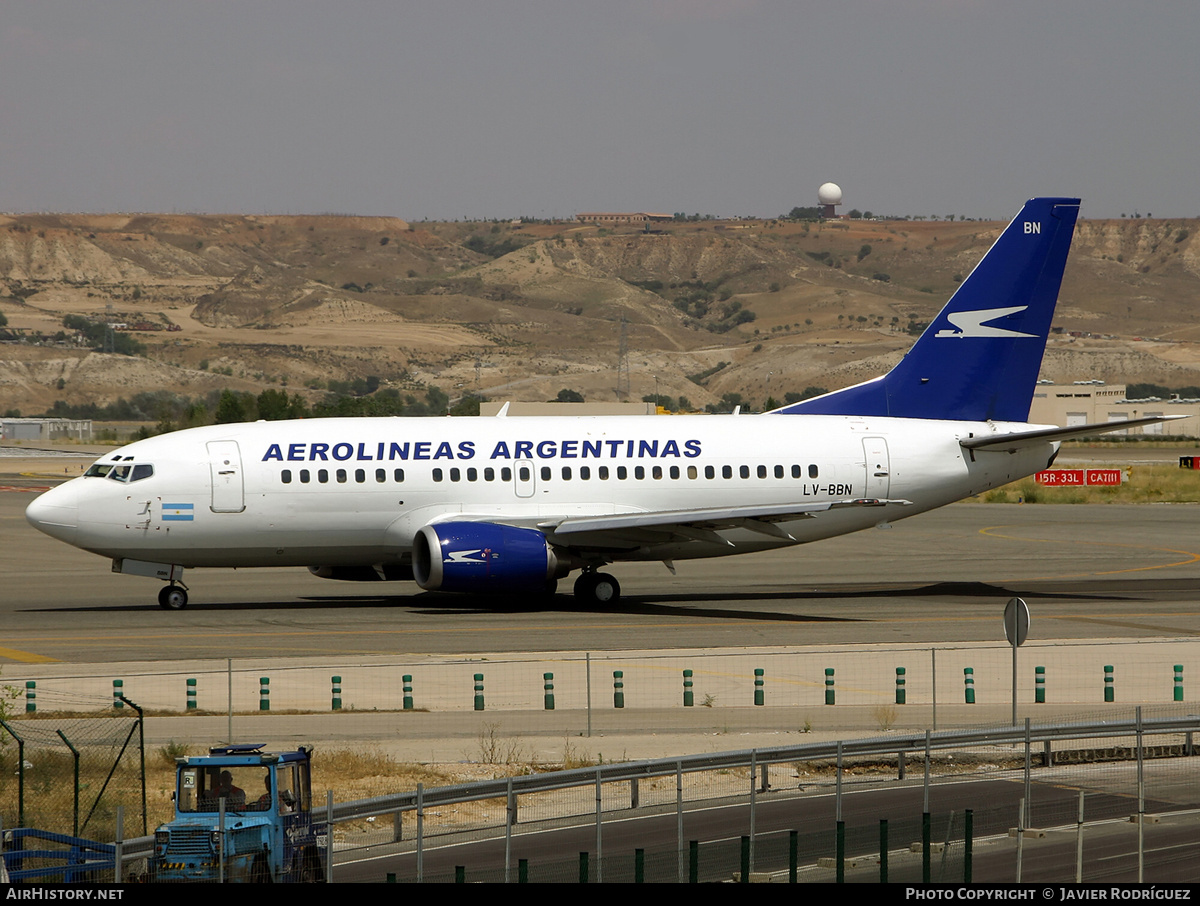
(793, 855)
(583, 868)
(1039, 685)
(745, 860)
(30, 696)
(901, 694)
(639, 866)
(118, 691)
(408, 696)
(829, 690)
(689, 698)
(883, 851)
(548, 691)
(968, 845)
(1109, 695)
(759, 692)
(1179, 682)
(926, 847)
(522, 871)
(191, 694)
(336, 703)
(969, 685)
(618, 688)
(478, 691)
(839, 876)
(460, 874)
(264, 693)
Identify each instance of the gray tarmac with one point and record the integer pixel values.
(1126, 575)
(1087, 572)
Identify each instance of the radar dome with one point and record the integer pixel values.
(830, 193)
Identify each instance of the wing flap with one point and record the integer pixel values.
(699, 524)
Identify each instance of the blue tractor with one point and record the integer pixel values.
(241, 815)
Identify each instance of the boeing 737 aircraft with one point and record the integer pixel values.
(510, 505)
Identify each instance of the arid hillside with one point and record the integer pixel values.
(520, 311)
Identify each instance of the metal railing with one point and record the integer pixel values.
(1112, 739)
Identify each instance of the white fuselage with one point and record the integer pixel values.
(345, 492)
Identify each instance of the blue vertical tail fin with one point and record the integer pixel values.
(979, 358)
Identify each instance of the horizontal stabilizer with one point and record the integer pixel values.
(1006, 443)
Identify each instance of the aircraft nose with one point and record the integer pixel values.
(56, 512)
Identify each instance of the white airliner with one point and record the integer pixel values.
(510, 505)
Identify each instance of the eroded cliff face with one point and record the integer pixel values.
(522, 310)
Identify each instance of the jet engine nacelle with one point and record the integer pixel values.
(485, 557)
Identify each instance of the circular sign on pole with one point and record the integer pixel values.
(1016, 621)
(1016, 628)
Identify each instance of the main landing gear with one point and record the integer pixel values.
(172, 597)
(597, 589)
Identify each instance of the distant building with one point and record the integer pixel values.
(637, 217)
(45, 429)
(1092, 402)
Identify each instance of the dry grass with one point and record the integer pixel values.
(1142, 484)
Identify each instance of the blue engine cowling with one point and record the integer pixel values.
(484, 557)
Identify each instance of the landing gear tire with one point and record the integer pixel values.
(172, 597)
(598, 588)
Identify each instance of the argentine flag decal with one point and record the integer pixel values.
(177, 512)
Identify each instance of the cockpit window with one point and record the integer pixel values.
(125, 473)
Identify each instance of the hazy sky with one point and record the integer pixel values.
(501, 108)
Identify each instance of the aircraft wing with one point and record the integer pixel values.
(1007, 443)
(698, 524)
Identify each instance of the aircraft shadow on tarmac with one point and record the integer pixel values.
(693, 605)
